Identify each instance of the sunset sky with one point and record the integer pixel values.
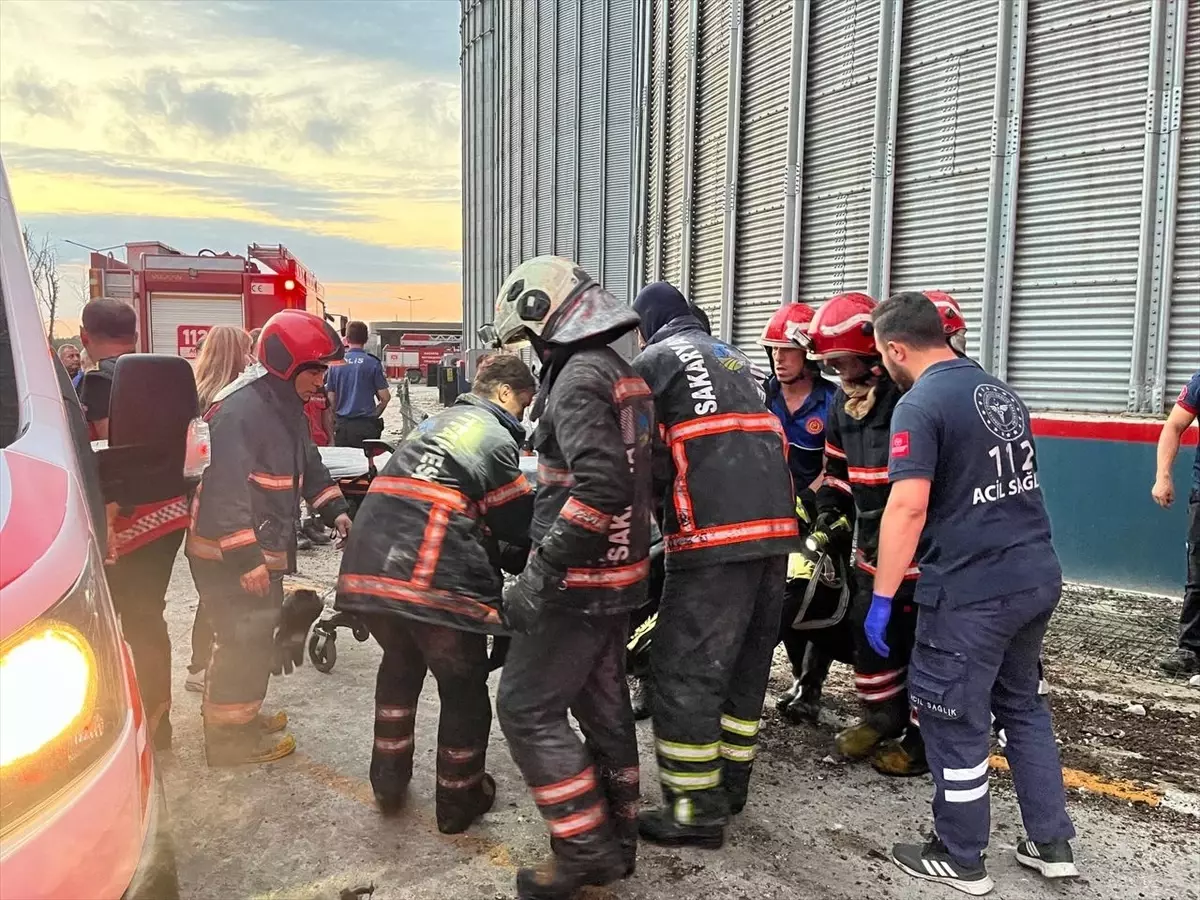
(329, 127)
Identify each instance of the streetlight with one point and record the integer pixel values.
(93, 249)
(410, 300)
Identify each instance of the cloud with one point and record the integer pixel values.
(35, 95)
(207, 107)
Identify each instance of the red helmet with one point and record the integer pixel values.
(294, 339)
(949, 310)
(842, 327)
(789, 322)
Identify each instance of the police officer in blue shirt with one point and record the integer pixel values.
(358, 392)
(964, 476)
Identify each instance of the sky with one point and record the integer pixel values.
(328, 126)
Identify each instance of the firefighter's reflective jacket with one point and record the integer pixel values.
(423, 540)
(592, 512)
(856, 468)
(721, 457)
(263, 461)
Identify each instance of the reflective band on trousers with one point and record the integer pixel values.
(966, 774)
(744, 727)
(687, 752)
(966, 796)
(691, 781)
(580, 822)
(567, 789)
(738, 753)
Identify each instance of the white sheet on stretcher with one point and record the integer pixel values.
(346, 462)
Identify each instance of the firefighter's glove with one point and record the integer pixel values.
(523, 601)
(513, 557)
(876, 624)
(300, 609)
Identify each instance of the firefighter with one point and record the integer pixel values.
(954, 326)
(963, 470)
(145, 538)
(855, 487)
(570, 606)
(729, 523)
(800, 398)
(243, 536)
(417, 570)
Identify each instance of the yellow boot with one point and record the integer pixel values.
(857, 741)
(901, 758)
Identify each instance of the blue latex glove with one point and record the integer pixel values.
(876, 624)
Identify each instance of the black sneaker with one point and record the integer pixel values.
(1180, 661)
(1053, 860)
(658, 826)
(932, 862)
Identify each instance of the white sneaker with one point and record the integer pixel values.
(195, 682)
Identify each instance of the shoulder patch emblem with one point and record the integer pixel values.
(901, 445)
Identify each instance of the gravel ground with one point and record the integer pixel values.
(306, 827)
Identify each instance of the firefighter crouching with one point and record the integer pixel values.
(855, 487)
(417, 571)
(800, 398)
(570, 607)
(243, 537)
(728, 522)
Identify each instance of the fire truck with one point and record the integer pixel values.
(416, 352)
(179, 296)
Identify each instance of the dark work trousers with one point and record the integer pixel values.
(239, 666)
(1189, 632)
(202, 638)
(881, 681)
(588, 790)
(138, 585)
(969, 660)
(711, 657)
(352, 432)
(459, 662)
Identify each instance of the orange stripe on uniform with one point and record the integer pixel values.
(333, 492)
(407, 592)
(579, 823)
(579, 513)
(270, 482)
(425, 491)
(684, 511)
(518, 487)
(910, 573)
(548, 475)
(868, 474)
(711, 425)
(431, 547)
(243, 538)
(834, 451)
(723, 535)
(231, 713)
(567, 789)
(626, 388)
(615, 577)
(837, 484)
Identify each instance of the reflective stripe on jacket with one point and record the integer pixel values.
(423, 540)
(721, 457)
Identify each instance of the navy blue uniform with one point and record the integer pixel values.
(805, 428)
(990, 581)
(356, 385)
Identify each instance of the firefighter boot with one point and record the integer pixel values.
(390, 775)
(880, 722)
(639, 696)
(272, 723)
(595, 861)
(659, 826)
(622, 790)
(785, 699)
(858, 741)
(235, 745)
(902, 757)
(456, 814)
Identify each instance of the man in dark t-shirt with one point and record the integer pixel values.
(357, 389)
(964, 476)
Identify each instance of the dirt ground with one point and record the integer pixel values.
(306, 827)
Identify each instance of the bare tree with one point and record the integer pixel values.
(43, 266)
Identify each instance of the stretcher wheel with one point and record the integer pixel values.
(322, 650)
(360, 631)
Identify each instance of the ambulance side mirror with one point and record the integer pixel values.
(151, 407)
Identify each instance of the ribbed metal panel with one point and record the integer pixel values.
(712, 121)
(619, 150)
(565, 158)
(677, 90)
(1079, 202)
(529, 111)
(766, 76)
(654, 138)
(1183, 335)
(591, 227)
(943, 151)
(835, 205)
(545, 187)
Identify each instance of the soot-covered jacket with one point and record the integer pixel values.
(721, 457)
(856, 469)
(263, 461)
(424, 540)
(592, 514)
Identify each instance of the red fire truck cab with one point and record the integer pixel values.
(179, 297)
